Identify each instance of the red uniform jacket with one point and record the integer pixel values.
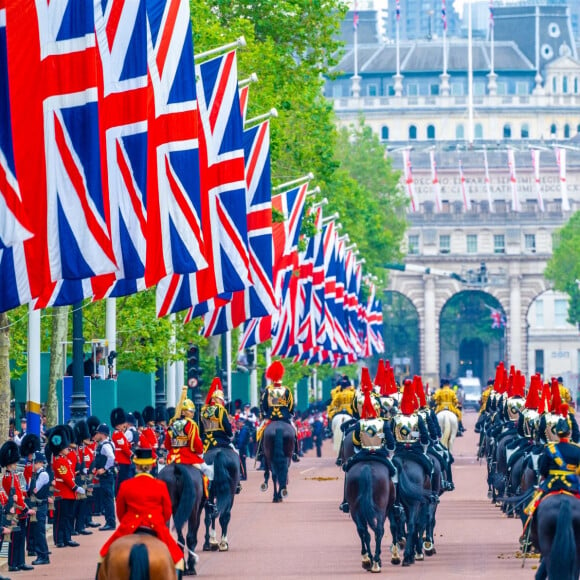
(64, 478)
(8, 481)
(148, 440)
(122, 448)
(192, 453)
(28, 468)
(143, 501)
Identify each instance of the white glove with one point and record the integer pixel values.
(80, 490)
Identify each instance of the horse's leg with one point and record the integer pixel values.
(224, 522)
(191, 541)
(379, 533)
(409, 556)
(395, 533)
(277, 497)
(365, 539)
(264, 486)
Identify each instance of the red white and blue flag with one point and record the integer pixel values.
(444, 14)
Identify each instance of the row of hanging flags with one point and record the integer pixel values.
(516, 204)
(125, 165)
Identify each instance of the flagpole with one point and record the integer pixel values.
(298, 181)
(492, 85)
(470, 72)
(253, 78)
(398, 78)
(444, 76)
(256, 120)
(355, 79)
(239, 43)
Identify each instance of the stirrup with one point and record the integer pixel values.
(344, 507)
(295, 457)
(238, 488)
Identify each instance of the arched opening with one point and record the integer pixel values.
(412, 132)
(507, 131)
(553, 130)
(459, 132)
(472, 335)
(525, 131)
(401, 334)
(566, 131)
(385, 133)
(430, 132)
(478, 131)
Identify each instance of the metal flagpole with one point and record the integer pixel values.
(470, 71)
(239, 43)
(444, 18)
(298, 181)
(33, 372)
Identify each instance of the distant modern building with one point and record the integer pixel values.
(525, 96)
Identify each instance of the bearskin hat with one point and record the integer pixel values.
(58, 439)
(130, 418)
(138, 419)
(81, 432)
(275, 372)
(169, 413)
(118, 417)
(29, 444)
(148, 414)
(9, 454)
(92, 423)
(72, 440)
(161, 414)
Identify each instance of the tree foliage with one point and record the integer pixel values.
(564, 267)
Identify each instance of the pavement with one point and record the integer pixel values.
(307, 537)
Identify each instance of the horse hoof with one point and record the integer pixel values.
(407, 562)
(428, 548)
(420, 556)
(264, 487)
(213, 545)
(395, 561)
(206, 547)
(376, 567)
(489, 495)
(366, 562)
(284, 493)
(224, 546)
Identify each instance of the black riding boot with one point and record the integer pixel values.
(97, 572)
(296, 450)
(344, 507)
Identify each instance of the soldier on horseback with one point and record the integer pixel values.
(386, 389)
(445, 398)
(216, 430)
(276, 404)
(372, 436)
(342, 396)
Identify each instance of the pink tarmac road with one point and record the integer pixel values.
(306, 536)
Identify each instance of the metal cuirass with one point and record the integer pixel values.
(371, 433)
(531, 420)
(210, 419)
(277, 397)
(177, 433)
(406, 428)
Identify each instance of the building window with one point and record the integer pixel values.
(565, 84)
(412, 132)
(434, 90)
(560, 312)
(430, 132)
(372, 90)
(507, 131)
(385, 133)
(472, 243)
(478, 89)
(412, 90)
(566, 131)
(502, 88)
(391, 90)
(530, 243)
(576, 85)
(444, 244)
(499, 244)
(554, 85)
(539, 313)
(413, 245)
(522, 88)
(525, 131)
(478, 131)
(540, 361)
(555, 241)
(459, 132)
(553, 130)
(457, 89)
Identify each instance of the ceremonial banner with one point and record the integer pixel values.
(561, 159)
(537, 185)
(409, 177)
(487, 182)
(513, 181)
(435, 181)
(464, 192)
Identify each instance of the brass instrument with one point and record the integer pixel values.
(177, 414)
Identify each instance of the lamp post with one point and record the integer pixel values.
(78, 407)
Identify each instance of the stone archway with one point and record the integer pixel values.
(471, 335)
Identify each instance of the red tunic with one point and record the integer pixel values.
(122, 448)
(8, 481)
(148, 440)
(192, 453)
(64, 478)
(28, 469)
(143, 501)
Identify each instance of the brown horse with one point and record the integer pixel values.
(185, 486)
(137, 557)
(278, 445)
(370, 494)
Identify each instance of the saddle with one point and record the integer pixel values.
(368, 455)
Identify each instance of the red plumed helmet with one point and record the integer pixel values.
(365, 380)
(564, 408)
(419, 391)
(368, 410)
(391, 388)
(408, 400)
(498, 377)
(275, 372)
(556, 399)
(544, 406)
(533, 397)
(518, 385)
(380, 377)
(216, 391)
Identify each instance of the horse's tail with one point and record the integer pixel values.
(409, 491)
(368, 510)
(139, 563)
(222, 483)
(279, 461)
(446, 436)
(563, 560)
(186, 499)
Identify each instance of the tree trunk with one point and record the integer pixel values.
(4, 376)
(59, 335)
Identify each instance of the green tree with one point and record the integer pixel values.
(564, 267)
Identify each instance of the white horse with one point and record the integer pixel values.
(449, 426)
(337, 433)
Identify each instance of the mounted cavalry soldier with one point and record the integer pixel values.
(216, 430)
(372, 436)
(342, 396)
(549, 419)
(276, 404)
(386, 389)
(446, 399)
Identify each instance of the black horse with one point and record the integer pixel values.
(414, 494)
(370, 494)
(185, 485)
(226, 464)
(556, 533)
(278, 445)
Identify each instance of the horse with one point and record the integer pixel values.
(226, 478)
(185, 486)
(278, 445)
(138, 556)
(337, 433)
(370, 494)
(449, 426)
(556, 533)
(414, 494)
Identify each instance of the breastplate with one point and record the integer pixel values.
(406, 428)
(177, 433)
(210, 419)
(530, 421)
(513, 407)
(371, 433)
(277, 397)
(550, 430)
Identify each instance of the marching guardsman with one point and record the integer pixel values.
(9, 457)
(122, 445)
(277, 404)
(29, 445)
(216, 430)
(39, 492)
(371, 439)
(65, 487)
(148, 438)
(564, 392)
(92, 423)
(182, 439)
(144, 502)
(103, 469)
(559, 465)
(83, 478)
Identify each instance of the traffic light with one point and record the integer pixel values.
(250, 357)
(193, 369)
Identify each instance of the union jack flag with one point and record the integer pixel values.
(56, 139)
(174, 227)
